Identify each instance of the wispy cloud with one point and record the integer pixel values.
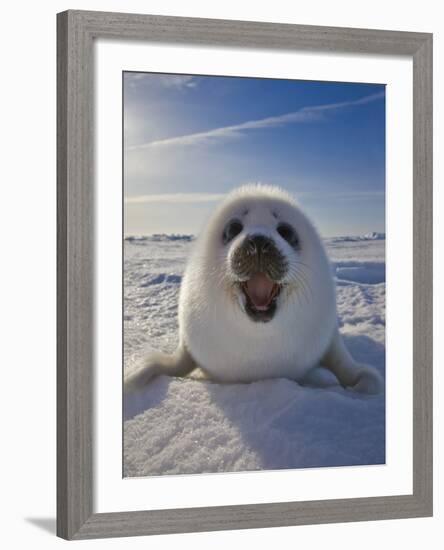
(181, 198)
(171, 81)
(305, 114)
(175, 198)
(343, 195)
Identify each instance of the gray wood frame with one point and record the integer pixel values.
(76, 32)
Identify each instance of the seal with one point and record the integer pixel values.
(258, 300)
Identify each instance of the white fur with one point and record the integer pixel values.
(217, 334)
(221, 338)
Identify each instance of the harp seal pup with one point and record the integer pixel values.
(258, 300)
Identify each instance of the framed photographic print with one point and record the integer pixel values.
(244, 274)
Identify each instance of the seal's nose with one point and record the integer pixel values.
(258, 244)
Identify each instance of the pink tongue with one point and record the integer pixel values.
(260, 290)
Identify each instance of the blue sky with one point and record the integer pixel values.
(188, 140)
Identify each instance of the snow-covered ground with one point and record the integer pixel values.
(185, 426)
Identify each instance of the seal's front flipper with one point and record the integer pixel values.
(180, 363)
(360, 378)
(319, 377)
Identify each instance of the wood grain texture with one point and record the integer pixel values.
(222, 518)
(423, 273)
(77, 31)
(62, 290)
(74, 276)
(219, 32)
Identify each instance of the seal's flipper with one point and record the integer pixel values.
(180, 363)
(359, 377)
(319, 377)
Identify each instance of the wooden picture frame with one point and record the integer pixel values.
(76, 32)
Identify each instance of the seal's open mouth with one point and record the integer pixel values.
(260, 294)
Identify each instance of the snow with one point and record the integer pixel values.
(187, 426)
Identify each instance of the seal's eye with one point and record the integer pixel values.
(232, 229)
(288, 234)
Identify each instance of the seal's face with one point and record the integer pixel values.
(262, 250)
